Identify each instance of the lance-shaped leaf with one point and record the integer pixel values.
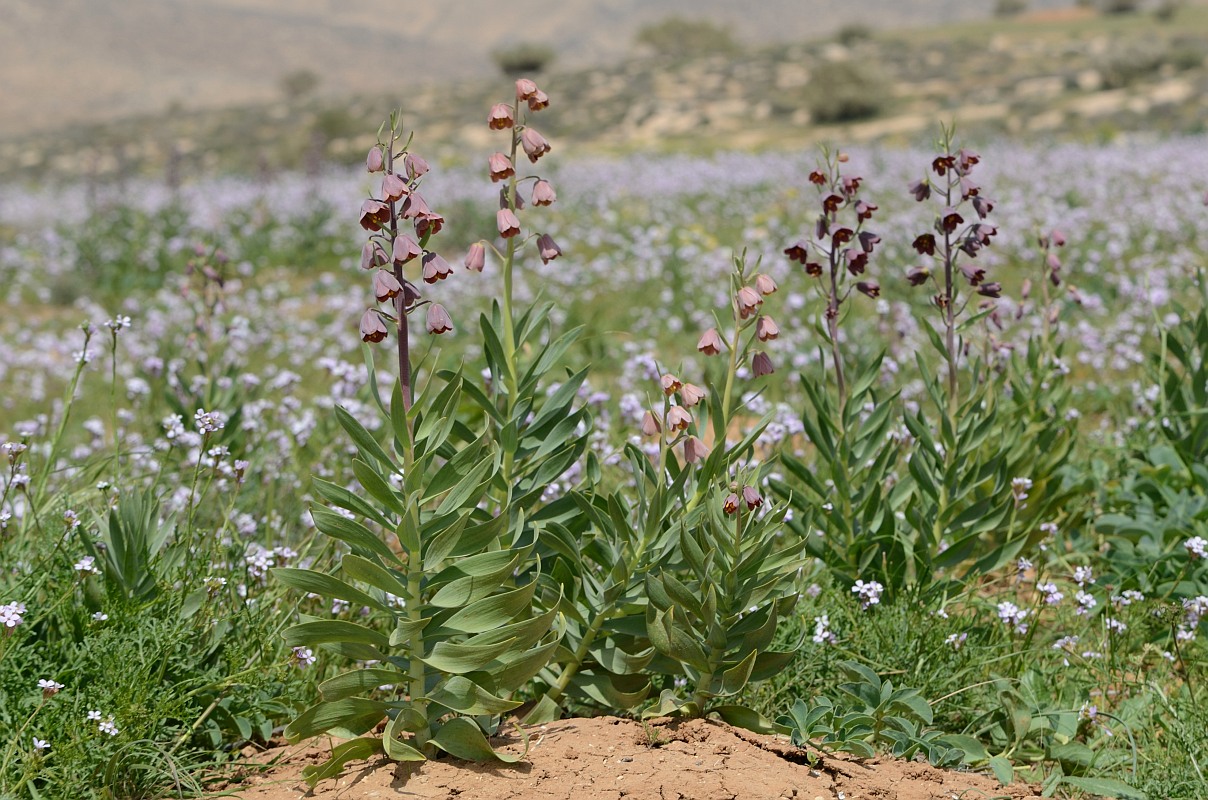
(480, 576)
(462, 658)
(324, 631)
(367, 445)
(378, 577)
(341, 497)
(394, 746)
(491, 612)
(308, 580)
(461, 738)
(361, 539)
(462, 695)
(673, 641)
(359, 681)
(355, 750)
(377, 486)
(352, 716)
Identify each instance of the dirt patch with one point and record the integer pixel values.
(594, 759)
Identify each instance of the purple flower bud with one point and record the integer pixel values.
(990, 290)
(729, 506)
(372, 255)
(405, 249)
(709, 343)
(501, 167)
(798, 251)
(764, 284)
(678, 418)
(548, 248)
(393, 187)
(534, 144)
(983, 206)
(751, 496)
(385, 286)
(375, 160)
(543, 193)
(918, 275)
(748, 301)
(374, 214)
(821, 227)
(505, 199)
(500, 117)
(691, 394)
(438, 319)
(921, 190)
(415, 166)
(1058, 238)
(1052, 262)
(507, 223)
(435, 268)
(870, 288)
(476, 257)
(670, 384)
(1025, 291)
(766, 329)
(650, 424)
(761, 365)
(525, 89)
(372, 327)
(694, 450)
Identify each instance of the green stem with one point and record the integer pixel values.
(68, 400)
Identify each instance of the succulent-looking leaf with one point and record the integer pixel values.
(341, 754)
(463, 739)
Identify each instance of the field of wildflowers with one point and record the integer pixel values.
(885, 450)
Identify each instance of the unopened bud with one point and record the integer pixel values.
(761, 365)
(415, 166)
(375, 160)
(694, 450)
(476, 257)
(650, 424)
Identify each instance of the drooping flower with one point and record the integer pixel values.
(548, 248)
(438, 319)
(500, 166)
(761, 364)
(476, 257)
(709, 342)
(385, 286)
(500, 117)
(543, 193)
(507, 223)
(534, 144)
(372, 327)
(435, 268)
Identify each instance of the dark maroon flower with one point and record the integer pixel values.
(729, 506)
(983, 206)
(374, 214)
(405, 249)
(831, 203)
(868, 240)
(817, 178)
(864, 210)
(709, 343)
(942, 164)
(813, 269)
(476, 257)
(435, 268)
(990, 289)
(1058, 237)
(967, 159)
(857, 260)
(438, 319)
(870, 288)
(851, 185)
(918, 275)
(841, 236)
(372, 327)
(798, 251)
(543, 193)
(970, 246)
(821, 227)
(921, 190)
(972, 274)
(505, 199)
(761, 365)
(950, 220)
(984, 232)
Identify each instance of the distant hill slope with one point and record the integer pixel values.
(64, 62)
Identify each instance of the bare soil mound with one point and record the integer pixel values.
(594, 759)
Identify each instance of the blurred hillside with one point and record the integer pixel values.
(153, 85)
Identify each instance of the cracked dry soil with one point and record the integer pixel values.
(606, 758)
